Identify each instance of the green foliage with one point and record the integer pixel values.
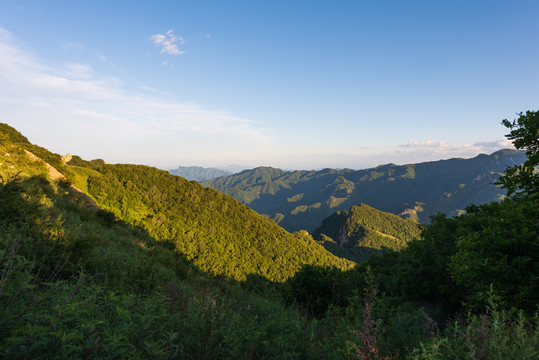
(218, 234)
(498, 251)
(9, 135)
(363, 229)
(317, 287)
(525, 135)
(419, 274)
(491, 252)
(96, 287)
(496, 335)
(77, 281)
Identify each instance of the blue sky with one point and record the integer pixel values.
(290, 84)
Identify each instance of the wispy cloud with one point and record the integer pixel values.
(169, 42)
(488, 146)
(79, 71)
(74, 109)
(446, 149)
(429, 144)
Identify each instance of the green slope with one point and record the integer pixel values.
(363, 230)
(302, 199)
(214, 231)
(76, 283)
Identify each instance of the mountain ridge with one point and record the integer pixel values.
(414, 190)
(199, 173)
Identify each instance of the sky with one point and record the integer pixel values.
(290, 84)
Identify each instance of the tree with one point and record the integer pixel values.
(498, 256)
(488, 255)
(318, 287)
(525, 135)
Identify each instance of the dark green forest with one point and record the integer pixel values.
(100, 263)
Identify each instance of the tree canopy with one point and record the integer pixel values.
(525, 136)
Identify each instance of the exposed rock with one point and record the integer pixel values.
(52, 172)
(343, 238)
(79, 196)
(66, 158)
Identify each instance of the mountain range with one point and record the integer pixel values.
(198, 173)
(303, 199)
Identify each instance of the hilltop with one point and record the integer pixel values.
(361, 231)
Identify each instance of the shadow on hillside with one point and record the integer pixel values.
(356, 254)
(51, 223)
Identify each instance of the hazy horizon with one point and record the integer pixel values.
(240, 168)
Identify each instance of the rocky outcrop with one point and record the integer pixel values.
(52, 172)
(78, 195)
(66, 158)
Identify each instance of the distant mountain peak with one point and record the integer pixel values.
(198, 173)
(446, 186)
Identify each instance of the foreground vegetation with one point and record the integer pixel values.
(81, 282)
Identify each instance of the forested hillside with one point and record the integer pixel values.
(76, 282)
(302, 199)
(216, 232)
(361, 231)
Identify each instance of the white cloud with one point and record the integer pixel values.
(73, 109)
(168, 42)
(445, 149)
(494, 145)
(427, 144)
